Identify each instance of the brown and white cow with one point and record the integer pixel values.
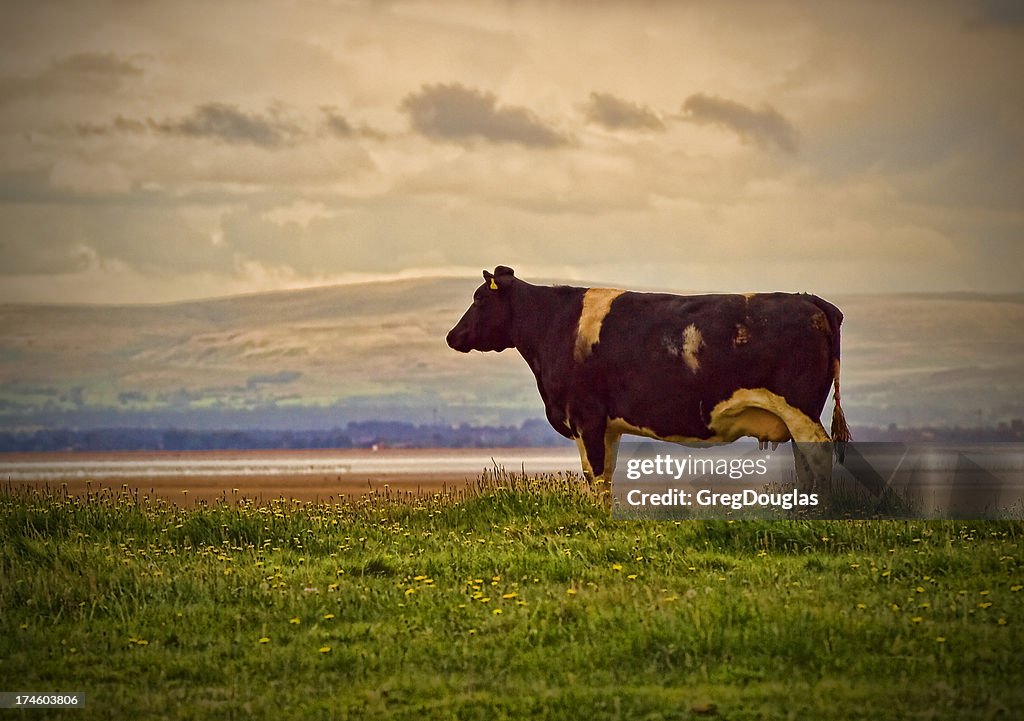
(687, 369)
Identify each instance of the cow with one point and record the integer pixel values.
(689, 369)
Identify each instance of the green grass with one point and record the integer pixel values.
(522, 600)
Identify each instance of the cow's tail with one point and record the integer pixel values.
(840, 430)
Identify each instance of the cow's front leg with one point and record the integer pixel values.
(598, 446)
(611, 453)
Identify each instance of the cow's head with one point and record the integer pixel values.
(487, 325)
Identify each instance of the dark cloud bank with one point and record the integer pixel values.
(456, 113)
(765, 127)
(220, 121)
(615, 113)
(230, 124)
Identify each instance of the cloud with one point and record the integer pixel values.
(120, 124)
(79, 73)
(339, 126)
(998, 13)
(220, 121)
(456, 113)
(763, 127)
(614, 113)
(300, 213)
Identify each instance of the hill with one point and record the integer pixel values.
(322, 357)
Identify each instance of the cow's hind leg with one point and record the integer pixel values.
(813, 461)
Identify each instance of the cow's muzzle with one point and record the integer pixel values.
(457, 341)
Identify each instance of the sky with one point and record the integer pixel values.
(158, 151)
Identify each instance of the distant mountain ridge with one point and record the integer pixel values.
(331, 355)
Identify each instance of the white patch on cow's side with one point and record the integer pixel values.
(693, 341)
(596, 304)
(764, 415)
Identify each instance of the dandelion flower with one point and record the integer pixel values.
(264, 639)
(325, 649)
(295, 621)
(328, 616)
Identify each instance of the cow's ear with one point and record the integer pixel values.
(503, 277)
(489, 279)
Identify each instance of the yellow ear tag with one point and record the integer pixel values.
(494, 286)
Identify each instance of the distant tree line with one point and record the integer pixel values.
(399, 434)
(364, 434)
(1000, 433)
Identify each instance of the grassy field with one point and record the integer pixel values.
(524, 600)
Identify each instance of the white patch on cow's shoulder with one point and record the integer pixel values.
(761, 414)
(596, 304)
(693, 341)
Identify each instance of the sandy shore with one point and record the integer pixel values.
(302, 483)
